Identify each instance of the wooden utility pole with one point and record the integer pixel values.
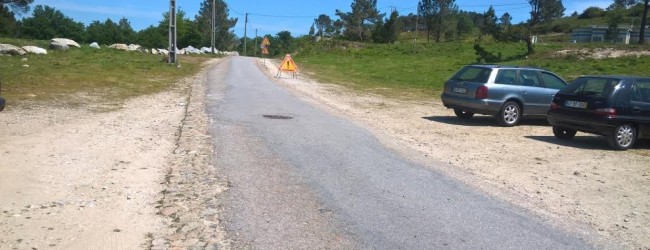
(245, 29)
(172, 31)
(213, 28)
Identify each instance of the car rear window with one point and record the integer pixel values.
(592, 86)
(473, 74)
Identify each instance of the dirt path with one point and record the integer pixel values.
(581, 184)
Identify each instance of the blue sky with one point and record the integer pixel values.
(271, 17)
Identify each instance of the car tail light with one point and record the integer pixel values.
(481, 92)
(606, 111)
(554, 106)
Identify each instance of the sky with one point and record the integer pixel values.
(271, 17)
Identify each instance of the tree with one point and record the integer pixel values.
(47, 23)
(592, 12)
(323, 24)
(355, 22)
(427, 9)
(614, 18)
(224, 36)
(18, 6)
(284, 42)
(622, 4)
(542, 11)
(312, 30)
(489, 23)
(464, 25)
(388, 31)
(153, 37)
(8, 24)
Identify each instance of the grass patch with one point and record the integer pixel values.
(80, 76)
(418, 71)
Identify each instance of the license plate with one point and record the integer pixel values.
(574, 104)
(459, 90)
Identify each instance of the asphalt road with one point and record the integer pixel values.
(317, 181)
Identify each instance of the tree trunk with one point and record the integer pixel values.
(644, 22)
(529, 42)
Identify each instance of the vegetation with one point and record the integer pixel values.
(77, 76)
(405, 70)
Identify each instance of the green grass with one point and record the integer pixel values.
(409, 71)
(78, 76)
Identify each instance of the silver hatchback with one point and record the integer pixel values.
(505, 92)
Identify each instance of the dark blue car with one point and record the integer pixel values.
(617, 107)
(2, 103)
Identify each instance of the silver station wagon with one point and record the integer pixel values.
(506, 92)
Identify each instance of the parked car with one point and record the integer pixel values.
(2, 103)
(617, 107)
(505, 92)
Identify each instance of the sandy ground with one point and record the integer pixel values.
(581, 185)
(140, 177)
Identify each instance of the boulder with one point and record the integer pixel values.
(70, 43)
(58, 46)
(8, 49)
(35, 50)
(154, 51)
(207, 50)
(192, 50)
(95, 45)
(134, 47)
(163, 52)
(119, 46)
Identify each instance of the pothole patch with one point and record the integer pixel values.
(278, 117)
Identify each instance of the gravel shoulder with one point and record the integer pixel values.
(580, 185)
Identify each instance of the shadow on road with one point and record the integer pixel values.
(593, 142)
(483, 121)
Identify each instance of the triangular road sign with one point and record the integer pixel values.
(288, 65)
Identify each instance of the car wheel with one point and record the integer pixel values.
(463, 114)
(564, 133)
(623, 138)
(510, 114)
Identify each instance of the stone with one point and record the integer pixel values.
(120, 46)
(163, 52)
(35, 50)
(58, 46)
(8, 49)
(68, 42)
(192, 50)
(158, 242)
(95, 45)
(154, 51)
(134, 47)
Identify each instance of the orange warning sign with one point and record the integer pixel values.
(288, 65)
(266, 41)
(265, 51)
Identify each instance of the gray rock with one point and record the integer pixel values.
(8, 49)
(119, 46)
(95, 45)
(163, 52)
(69, 42)
(55, 45)
(154, 51)
(35, 50)
(134, 47)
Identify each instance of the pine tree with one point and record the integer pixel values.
(224, 37)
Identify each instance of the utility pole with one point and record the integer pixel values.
(213, 28)
(172, 31)
(255, 45)
(245, 29)
(644, 22)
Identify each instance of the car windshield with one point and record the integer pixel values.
(592, 86)
(473, 74)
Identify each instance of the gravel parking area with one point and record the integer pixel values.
(580, 184)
